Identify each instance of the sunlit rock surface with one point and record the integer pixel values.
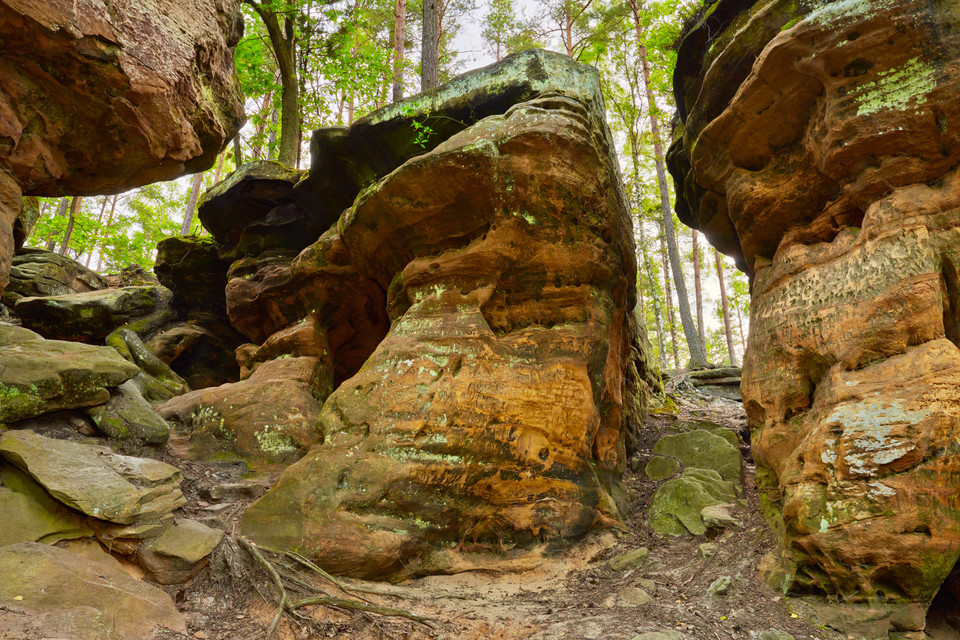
(474, 302)
(819, 147)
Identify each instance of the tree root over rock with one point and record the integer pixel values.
(290, 576)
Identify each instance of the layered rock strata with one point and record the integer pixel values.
(472, 307)
(820, 146)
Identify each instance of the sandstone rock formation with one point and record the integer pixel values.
(46, 592)
(98, 97)
(472, 308)
(820, 146)
(38, 272)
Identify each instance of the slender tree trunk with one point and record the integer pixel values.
(668, 296)
(74, 207)
(430, 50)
(113, 207)
(282, 41)
(743, 342)
(93, 242)
(726, 311)
(658, 319)
(568, 35)
(61, 212)
(237, 151)
(216, 176)
(698, 353)
(698, 287)
(399, 33)
(191, 203)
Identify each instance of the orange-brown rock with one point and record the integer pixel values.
(97, 97)
(478, 302)
(820, 146)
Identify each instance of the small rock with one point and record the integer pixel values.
(775, 634)
(660, 635)
(180, 552)
(200, 635)
(718, 516)
(633, 597)
(645, 583)
(719, 586)
(707, 549)
(629, 560)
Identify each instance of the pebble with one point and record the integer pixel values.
(719, 586)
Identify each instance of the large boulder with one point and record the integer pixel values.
(477, 297)
(38, 376)
(200, 347)
(47, 592)
(819, 146)
(95, 481)
(38, 272)
(93, 315)
(158, 95)
(99, 97)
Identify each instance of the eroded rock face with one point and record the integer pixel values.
(158, 95)
(99, 97)
(820, 147)
(477, 305)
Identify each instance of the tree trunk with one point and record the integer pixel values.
(698, 287)
(430, 50)
(113, 207)
(698, 353)
(237, 151)
(668, 297)
(96, 234)
(74, 207)
(284, 49)
(726, 311)
(568, 35)
(658, 319)
(399, 32)
(191, 203)
(61, 212)
(216, 176)
(743, 342)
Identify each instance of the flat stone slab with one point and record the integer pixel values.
(94, 480)
(180, 552)
(47, 592)
(128, 416)
(38, 376)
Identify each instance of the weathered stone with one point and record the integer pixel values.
(93, 480)
(27, 520)
(701, 449)
(10, 203)
(677, 506)
(38, 272)
(52, 593)
(126, 415)
(501, 261)
(819, 146)
(719, 516)
(252, 211)
(660, 468)
(272, 417)
(633, 597)
(93, 315)
(158, 96)
(720, 586)
(201, 348)
(629, 560)
(179, 553)
(660, 635)
(775, 634)
(39, 376)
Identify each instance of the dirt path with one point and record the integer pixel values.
(575, 595)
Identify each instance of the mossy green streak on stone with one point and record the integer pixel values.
(704, 450)
(660, 468)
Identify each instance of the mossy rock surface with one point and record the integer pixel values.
(660, 468)
(701, 449)
(128, 416)
(39, 376)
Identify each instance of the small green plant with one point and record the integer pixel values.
(422, 132)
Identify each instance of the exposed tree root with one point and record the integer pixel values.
(285, 577)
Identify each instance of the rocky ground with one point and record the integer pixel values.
(578, 594)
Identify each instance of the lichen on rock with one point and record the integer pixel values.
(819, 146)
